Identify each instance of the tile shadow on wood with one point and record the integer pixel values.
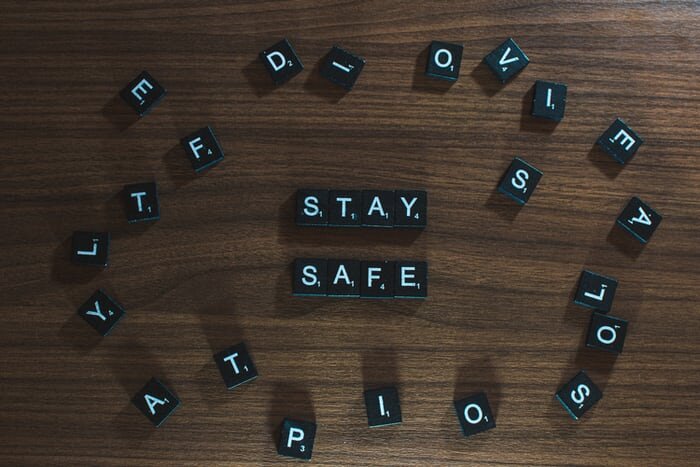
(479, 376)
(379, 369)
(506, 208)
(258, 78)
(63, 270)
(624, 242)
(487, 81)
(321, 87)
(179, 169)
(78, 334)
(604, 162)
(289, 400)
(119, 114)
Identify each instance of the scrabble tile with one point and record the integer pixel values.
(620, 141)
(203, 149)
(101, 312)
(383, 407)
(344, 277)
(444, 60)
(595, 291)
(141, 202)
(411, 279)
(377, 208)
(606, 333)
(639, 219)
(297, 439)
(579, 395)
(549, 100)
(519, 181)
(312, 207)
(310, 277)
(342, 68)
(156, 402)
(377, 279)
(236, 365)
(345, 208)
(143, 93)
(506, 60)
(281, 61)
(474, 414)
(411, 208)
(91, 248)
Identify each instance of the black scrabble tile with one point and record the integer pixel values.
(310, 277)
(383, 407)
(411, 279)
(506, 60)
(639, 219)
(606, 333)
(342, 68)
(90, 248)
(519, 181)
(444, 60)
(141, 202)
(377, 279)
(236, 365)
(143, 93)
(345, 208)
(156, 402)
(281, 61)
(549, 100)
(344, 277)
(297, 439)
(101, 312)
(595, 291)
(378, 208)
(411, 208)
(620, 141)
(203, 149)
(312, 207)
(474, 414)
(579, 395)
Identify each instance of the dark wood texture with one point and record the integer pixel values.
(215, 269)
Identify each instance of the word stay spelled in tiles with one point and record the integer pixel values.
(519, 181)
(549, 100)
(579, 395)
(506, 60)
(342, 68)
(91, 248)
(141, 202)
(366, 208)
(297, 439)
(203, 149)
(444, 60)
(156, 402)
(606, 333)
(101, 312)
(235, 365)
(366, 279)
(474, 414)
(143, 93)
(639, 219)
(383, 407)
(620, 141)
(595, 291)
(281, 61)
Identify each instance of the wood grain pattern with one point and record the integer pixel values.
(214, 270)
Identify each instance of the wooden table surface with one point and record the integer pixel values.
(215, 269)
